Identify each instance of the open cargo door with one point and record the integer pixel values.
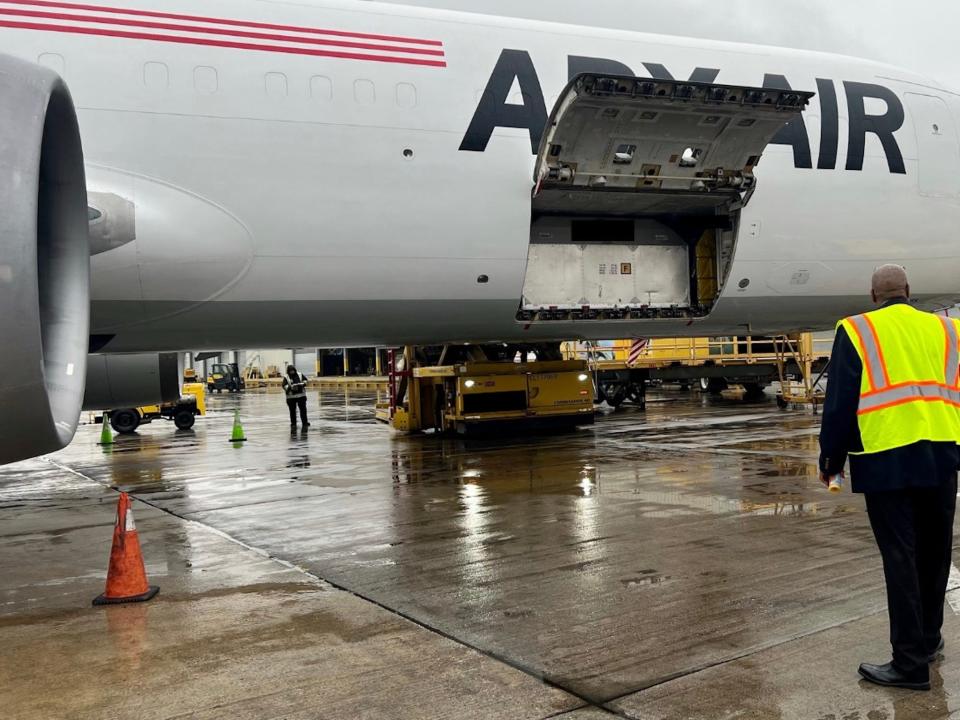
(639, 187)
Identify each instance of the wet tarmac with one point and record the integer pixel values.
(678, 563)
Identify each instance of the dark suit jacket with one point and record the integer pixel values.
(923, 464)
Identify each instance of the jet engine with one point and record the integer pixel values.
(44, 262)
(124, 381)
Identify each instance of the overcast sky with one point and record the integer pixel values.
(921, 35)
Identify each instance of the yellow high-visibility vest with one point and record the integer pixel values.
(910, 386)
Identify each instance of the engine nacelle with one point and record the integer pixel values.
(126, 381)
(44, 262)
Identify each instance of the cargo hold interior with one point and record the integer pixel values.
(639, 189)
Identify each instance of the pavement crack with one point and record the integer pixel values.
(565, 713)
(527, 670)
(734, 658)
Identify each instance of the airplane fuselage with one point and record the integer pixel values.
(351, 189)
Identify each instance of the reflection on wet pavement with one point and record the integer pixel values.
(664, 564)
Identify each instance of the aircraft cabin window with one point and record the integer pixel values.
(275, 85)
(205, 80)
(156, 75)
(53, 61)
(364, 92)
(321, 88)
(406, 95)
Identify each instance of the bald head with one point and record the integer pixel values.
(889, 282)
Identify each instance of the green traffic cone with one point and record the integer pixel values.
(237, 435)
(106, 437)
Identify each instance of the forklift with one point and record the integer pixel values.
(225, 376)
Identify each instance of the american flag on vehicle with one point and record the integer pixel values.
(638, 348)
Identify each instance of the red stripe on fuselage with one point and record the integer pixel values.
(219, 21)
(103, 32)
(124, 22)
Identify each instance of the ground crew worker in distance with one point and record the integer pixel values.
(893, 404)
(295, 388)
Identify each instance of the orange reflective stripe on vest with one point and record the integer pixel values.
(867, 337)
(952, 361)
(900, 394)
(884, 394)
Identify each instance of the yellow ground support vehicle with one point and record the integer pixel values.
(475, 394)
(624, 368)
(183, 412)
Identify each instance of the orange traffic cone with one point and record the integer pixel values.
(126, 578)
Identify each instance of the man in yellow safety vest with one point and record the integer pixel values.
(893, 406)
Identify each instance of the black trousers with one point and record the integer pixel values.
(914, 531)
(292, 405)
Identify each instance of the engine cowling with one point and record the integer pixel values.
(44, 262)
(127, 381)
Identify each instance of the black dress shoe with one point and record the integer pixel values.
(888, 676)
(936, 653)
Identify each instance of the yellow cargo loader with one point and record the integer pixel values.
(624, 368)
(482, 394)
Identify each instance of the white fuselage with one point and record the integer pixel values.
(292, 198)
